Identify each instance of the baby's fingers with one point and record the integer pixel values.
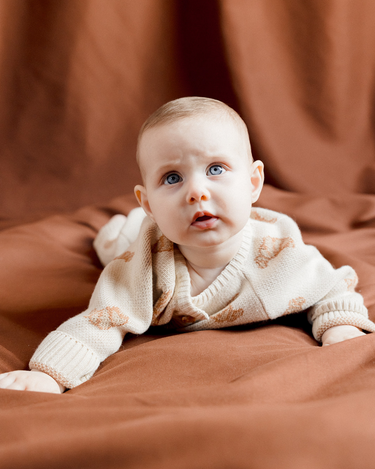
(9, 381)
(22, 380)
(338, 334)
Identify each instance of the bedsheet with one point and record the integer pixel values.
(259, 396)
(77, 80)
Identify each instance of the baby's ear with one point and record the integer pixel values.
(257, 179)
(141, 195)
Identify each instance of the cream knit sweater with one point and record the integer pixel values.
(273, 274)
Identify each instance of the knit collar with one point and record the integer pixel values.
(230, 271)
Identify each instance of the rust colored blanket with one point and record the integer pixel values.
(78, 79)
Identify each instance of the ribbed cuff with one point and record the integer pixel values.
(340, 318)
(68, 361)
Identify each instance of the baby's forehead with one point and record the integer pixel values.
(161, 131)
(222, 120)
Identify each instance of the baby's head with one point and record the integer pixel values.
(199, 178)
(194, 107)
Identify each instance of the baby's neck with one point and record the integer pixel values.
(206, 264)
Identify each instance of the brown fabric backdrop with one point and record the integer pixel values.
(78, 77)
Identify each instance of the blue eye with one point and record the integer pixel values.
(216, 170)
(172, 178)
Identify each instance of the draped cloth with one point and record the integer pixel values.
(77, 80)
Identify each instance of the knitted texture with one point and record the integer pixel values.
(64, 358)
(273, 274)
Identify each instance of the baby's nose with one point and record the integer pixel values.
(197, 192)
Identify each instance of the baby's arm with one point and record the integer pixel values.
(108, 320)
(34, 380)
(118, 234)
(337, 334)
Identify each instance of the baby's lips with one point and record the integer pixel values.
(205, 222)
(202, 216)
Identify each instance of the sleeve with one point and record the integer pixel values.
(121, 302)
(341, 306)
(118, 234)
(293, 276)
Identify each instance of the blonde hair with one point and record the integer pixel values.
(192, 106)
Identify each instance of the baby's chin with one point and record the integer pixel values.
(210, 240)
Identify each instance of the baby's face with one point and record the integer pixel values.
(199, 182)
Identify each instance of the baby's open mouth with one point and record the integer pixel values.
(204, 218)
(204, 221)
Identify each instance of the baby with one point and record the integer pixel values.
(199, 257)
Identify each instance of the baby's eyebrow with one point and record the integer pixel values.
(168, 166)
(163, 170)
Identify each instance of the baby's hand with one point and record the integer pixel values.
(30, 381)
(339, 334)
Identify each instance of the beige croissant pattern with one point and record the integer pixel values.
(228, 315)
(256, 216)
(127, 256)
(106, 318)
(295, 305)
(271, 248)
(160, 306)
(162, 244)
